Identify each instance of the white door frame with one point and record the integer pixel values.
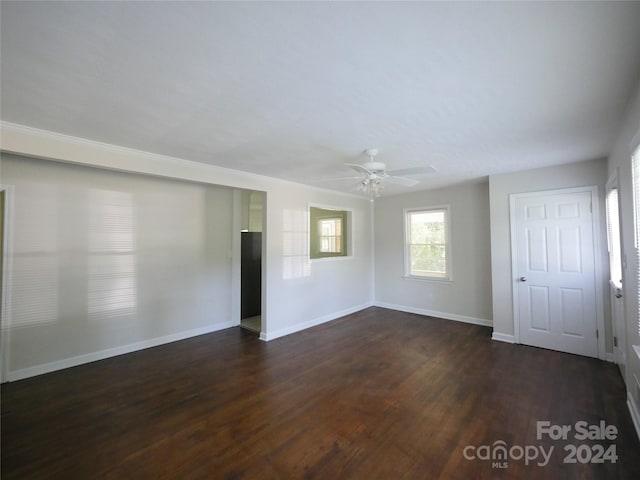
(236, 257)
(597, 248)
(614, 184)
(5, 321)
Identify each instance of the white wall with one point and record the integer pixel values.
(302, 293)
(468, 296)
(102, 260)
(619, 162)
(296, 294)
(500, 187)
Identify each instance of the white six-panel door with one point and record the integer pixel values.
(555, 272)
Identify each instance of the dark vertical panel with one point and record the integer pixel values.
(251, 274)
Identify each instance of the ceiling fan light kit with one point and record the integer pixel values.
(371, 187)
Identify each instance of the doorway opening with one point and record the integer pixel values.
(251, 232)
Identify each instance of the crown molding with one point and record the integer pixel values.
(44, 144)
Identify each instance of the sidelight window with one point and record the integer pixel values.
(613, 238)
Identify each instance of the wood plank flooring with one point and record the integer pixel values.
(375, 395)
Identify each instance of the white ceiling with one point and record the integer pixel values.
(295, 90)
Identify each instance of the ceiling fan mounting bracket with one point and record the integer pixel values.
(372, 166)
(371, 152)
(375, 167)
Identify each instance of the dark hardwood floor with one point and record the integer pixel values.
(376, 395)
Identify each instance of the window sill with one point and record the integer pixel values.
(427, 279)
(330, 259)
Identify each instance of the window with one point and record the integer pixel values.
(635, 171)
(613, 237)
(330, 235)
(427, 251)
(328, 232)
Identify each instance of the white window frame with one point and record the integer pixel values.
(448, 276)
(335, 239)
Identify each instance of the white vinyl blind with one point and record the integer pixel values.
(635, 170)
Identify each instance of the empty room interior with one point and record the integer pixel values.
(368, 240)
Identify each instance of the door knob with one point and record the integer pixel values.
(523, 279)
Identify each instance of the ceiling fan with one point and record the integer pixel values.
(374, 174)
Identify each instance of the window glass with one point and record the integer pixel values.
(635, 170)
(427, 249)
(613, 238)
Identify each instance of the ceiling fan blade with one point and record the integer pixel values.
(358, 168)
(413, 171)
(405, 182)
(339, 179)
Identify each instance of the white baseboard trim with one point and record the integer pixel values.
(113, 352)
(433, 313)
(267, 336)
(503, 337)
(635, 415)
